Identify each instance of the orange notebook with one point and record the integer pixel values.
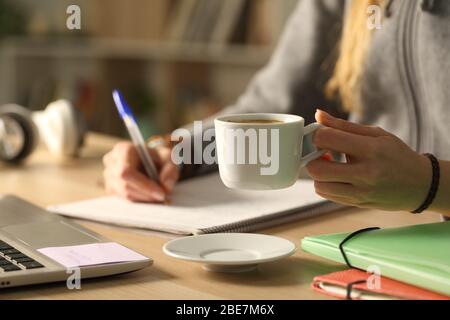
(336, 284)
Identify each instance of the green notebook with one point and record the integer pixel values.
(417, 255)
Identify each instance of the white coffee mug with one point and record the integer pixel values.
(262, 151)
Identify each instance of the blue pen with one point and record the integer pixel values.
(136, 135)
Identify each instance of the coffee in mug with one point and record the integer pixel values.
(258, 121)
(262, 151)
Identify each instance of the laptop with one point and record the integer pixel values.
(25, 228)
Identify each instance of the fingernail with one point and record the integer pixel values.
(170, 183)
(158, 196)
(325, 114)
(327, 157)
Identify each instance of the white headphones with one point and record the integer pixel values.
(60, 126)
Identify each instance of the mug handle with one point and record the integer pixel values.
(310, 129)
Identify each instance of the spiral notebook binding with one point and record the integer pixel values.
(275, 219)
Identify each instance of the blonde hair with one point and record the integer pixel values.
(345, 81)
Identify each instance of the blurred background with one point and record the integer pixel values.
(175, 60)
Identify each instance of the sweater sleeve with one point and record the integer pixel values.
(293, 80)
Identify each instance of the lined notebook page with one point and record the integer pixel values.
(197, 204)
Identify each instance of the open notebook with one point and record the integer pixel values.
(205, 205)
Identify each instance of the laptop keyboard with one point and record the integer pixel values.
(12, 259)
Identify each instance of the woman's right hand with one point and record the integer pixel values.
(124, 175)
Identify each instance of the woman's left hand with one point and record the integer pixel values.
(381, 171)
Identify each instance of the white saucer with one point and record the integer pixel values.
(230, 252)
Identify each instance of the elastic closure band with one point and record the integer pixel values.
(350, 288)
(350, 236)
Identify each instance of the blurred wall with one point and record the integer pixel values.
(175, 60)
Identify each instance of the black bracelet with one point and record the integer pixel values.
(434, 184)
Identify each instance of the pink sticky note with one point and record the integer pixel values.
(91, 254)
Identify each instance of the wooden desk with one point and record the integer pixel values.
(44, 180)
